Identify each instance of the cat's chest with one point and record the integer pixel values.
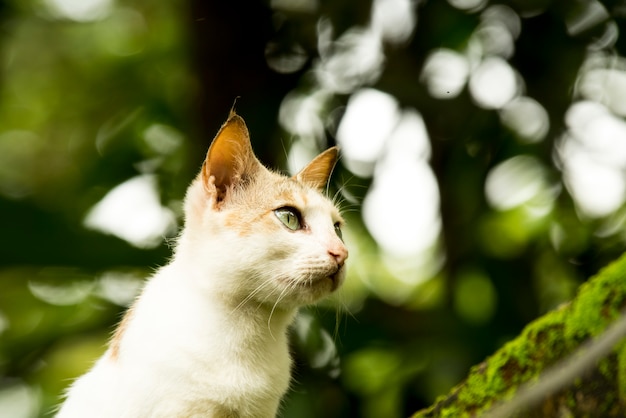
(198, 347)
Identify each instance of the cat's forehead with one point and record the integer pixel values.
(273, 190)
(289, 191)
(247, 209)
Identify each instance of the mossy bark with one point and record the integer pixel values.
(600, 391)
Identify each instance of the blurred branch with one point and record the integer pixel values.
(566, 362)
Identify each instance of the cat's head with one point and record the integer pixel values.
(258, 236)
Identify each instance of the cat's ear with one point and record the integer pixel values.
(318, 171)
(230, 158)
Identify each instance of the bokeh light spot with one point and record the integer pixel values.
(475, 298)
(606, 86)
(493, 84)
(593, 155)
(132, 211)
(468, 5)
(370, 117)
(401, 209)
(394, 19)
(445, 73)
(19, 400)
(81, 10)
(514, 182)
(527, 118)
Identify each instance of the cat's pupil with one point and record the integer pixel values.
(290, 217)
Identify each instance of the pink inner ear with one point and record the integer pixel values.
(222, 167)
(228, 155)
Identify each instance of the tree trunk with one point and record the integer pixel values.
(228, 41)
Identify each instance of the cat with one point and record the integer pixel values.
(207, 337)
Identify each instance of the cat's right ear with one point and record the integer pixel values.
(229, 160)
(318, 171)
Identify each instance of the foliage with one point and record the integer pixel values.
(483, 182)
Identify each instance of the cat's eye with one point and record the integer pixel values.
(290, 217)
(338, 230)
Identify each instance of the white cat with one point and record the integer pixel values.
(208, 335)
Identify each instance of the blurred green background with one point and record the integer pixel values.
(482, 176)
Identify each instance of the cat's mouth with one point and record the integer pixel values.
(335, 277)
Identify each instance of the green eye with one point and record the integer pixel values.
(338, 231)
(289, 216)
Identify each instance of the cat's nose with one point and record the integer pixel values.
(339, 253)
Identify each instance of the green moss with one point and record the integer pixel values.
(598, 303)
(541, 344)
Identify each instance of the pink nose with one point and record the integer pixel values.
(339, 252)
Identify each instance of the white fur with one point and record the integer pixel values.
(208, 335)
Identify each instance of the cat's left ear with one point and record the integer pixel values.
(318, 171)
(230, 158)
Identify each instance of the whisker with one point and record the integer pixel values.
(263, 285)
(290, 287)
(252, 294)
